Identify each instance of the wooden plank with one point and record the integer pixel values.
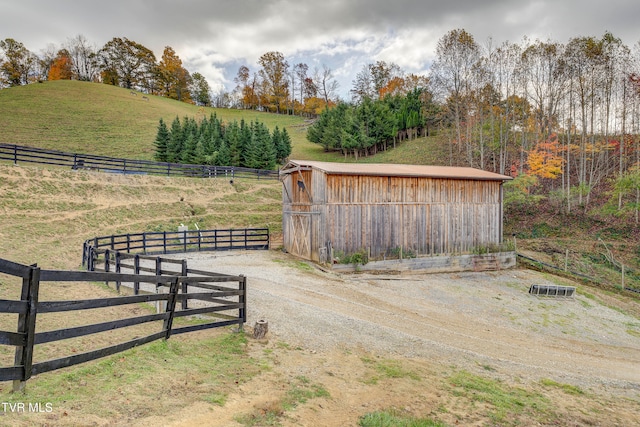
(63, 362)
(209, 274)
(11, 373)
(13, 338)
(171, 308)
(57, 306)
(13, 268)
(27, 326)
(208, 295)
(10, 306)
(63, 334)
(93, 276)
(215, 279)
(204, 310)
(203, 326)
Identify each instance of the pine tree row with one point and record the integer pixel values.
(212, 142)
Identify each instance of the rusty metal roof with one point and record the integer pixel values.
(389, 169)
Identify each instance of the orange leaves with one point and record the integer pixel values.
(61, 67)
(545, 159)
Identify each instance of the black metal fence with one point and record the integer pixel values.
(76, 161)
(226, 303)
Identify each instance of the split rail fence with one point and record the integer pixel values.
(222, 297)
(76, 161)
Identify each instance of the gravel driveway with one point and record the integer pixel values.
(478, 321)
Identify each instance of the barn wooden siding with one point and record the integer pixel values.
(381, 213)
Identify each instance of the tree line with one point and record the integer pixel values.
(564, 119)
(213, 142)
(372, 125)
(120, 62)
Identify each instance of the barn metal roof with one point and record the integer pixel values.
(388, 169)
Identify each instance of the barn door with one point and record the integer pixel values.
(300, 229)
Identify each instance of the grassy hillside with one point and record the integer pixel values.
(107, 120)
(102, 119)
(48, 213)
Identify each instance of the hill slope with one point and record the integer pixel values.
(102, 119)
(48, 213)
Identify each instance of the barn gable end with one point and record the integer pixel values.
(380, 208)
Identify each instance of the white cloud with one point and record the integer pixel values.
(215, 37)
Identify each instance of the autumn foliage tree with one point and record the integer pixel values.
(274, 75)
(128, 64)
(545, 159)
(173, 78)
(61, 67)
(17, 63)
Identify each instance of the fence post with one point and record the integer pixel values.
(164, 241)
(118, 270)
(185, 285)
(136, 270)
(15, 154)
(107, 261)
(171, 307)
(27, 326)
(184, 240)
(90, 260)
(159, 284)
(242, 299)
(128, 243)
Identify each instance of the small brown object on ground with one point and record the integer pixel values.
(260, 329)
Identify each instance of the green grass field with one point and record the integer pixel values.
(102, 119)
(106, 120)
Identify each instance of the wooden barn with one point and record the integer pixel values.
(386, 208)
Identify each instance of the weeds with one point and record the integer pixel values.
(301, 391)
(395, 418)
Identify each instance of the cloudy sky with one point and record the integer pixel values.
(216, 37)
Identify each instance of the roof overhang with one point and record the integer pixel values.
(397, 170)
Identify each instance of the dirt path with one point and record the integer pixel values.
(485, 323)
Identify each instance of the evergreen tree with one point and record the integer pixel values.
(199, 154)
(162, 142)
(265, 155)
(188, 154)
(234, 144)
(176, 142)
(248, 144)
(285, 145)
(223, 158)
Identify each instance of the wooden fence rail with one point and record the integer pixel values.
(223, 301)
(76, 161)
(167, 242)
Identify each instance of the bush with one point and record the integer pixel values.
(357, 258)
